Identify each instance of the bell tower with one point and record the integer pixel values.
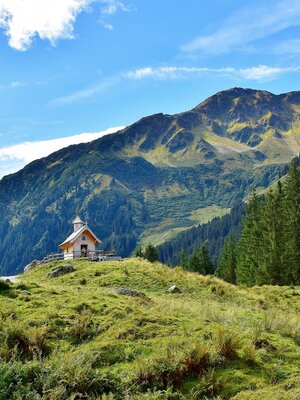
(77, 223)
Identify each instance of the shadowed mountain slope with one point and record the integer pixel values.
(155, 178)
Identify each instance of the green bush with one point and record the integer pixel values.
(4, 286)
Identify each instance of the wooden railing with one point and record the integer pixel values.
(91, 255)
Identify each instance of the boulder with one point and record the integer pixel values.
(129, 292)
(174, 289)
(31, 265)
(64, 269)
(25, 293)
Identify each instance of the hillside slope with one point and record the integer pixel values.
(157, 177)
(75, 336)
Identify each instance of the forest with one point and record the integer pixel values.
(258, 243)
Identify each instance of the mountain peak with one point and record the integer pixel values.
(235, 93)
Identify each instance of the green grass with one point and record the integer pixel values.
(74, 337)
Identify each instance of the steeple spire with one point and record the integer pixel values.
(77, 223)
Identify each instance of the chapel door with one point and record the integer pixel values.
(84, 250)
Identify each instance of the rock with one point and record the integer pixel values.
(31, 265)
(174, 289)
(26, 293)
(64, 269)
(129, 292)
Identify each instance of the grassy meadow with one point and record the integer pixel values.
(75, 337)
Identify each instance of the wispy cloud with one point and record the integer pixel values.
(247, 25)
(11, 85)
(261, 73)
(12, 158)
(97, 89)
(288, 47)
(111, 7)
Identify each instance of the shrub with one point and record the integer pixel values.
(4, 286)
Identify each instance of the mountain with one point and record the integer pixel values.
(152, 180)
(212, 233)
(113, 327)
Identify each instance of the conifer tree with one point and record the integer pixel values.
(249, 247)
(292, 215)
(272, 255)
(139, 252)
(201, 262)
(228, 261)
(183, 260)
(150, 253)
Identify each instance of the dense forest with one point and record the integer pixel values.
(268, 249)
(257, 243)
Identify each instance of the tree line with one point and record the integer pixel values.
(268, 249)
(260, 240)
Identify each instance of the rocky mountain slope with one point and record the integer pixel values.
(155, 178)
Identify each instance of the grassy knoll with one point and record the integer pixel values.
(74, 337)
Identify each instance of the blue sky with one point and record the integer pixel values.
(70, 67)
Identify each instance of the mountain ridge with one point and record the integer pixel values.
(154, 178)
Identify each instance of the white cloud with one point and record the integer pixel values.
(261, 73)
(22, 20)
(51, 20)
(111, 7)
(13, 158)
(248, 25)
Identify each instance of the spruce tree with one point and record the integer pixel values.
(151, 253)
(139, 252)
(201, 262)
(272, 260)
(292, 215)
(228, 261)
(250, 243)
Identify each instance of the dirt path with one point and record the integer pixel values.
(13, 279)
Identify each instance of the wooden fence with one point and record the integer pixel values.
(98, 255)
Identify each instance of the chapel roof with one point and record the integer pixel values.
(75, 235)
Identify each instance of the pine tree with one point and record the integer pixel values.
(139, 252)
(250, 243)
(228, 261)
(183, 260)
(201, 262)
(150, 253)
(272, 257)
(292, 214)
